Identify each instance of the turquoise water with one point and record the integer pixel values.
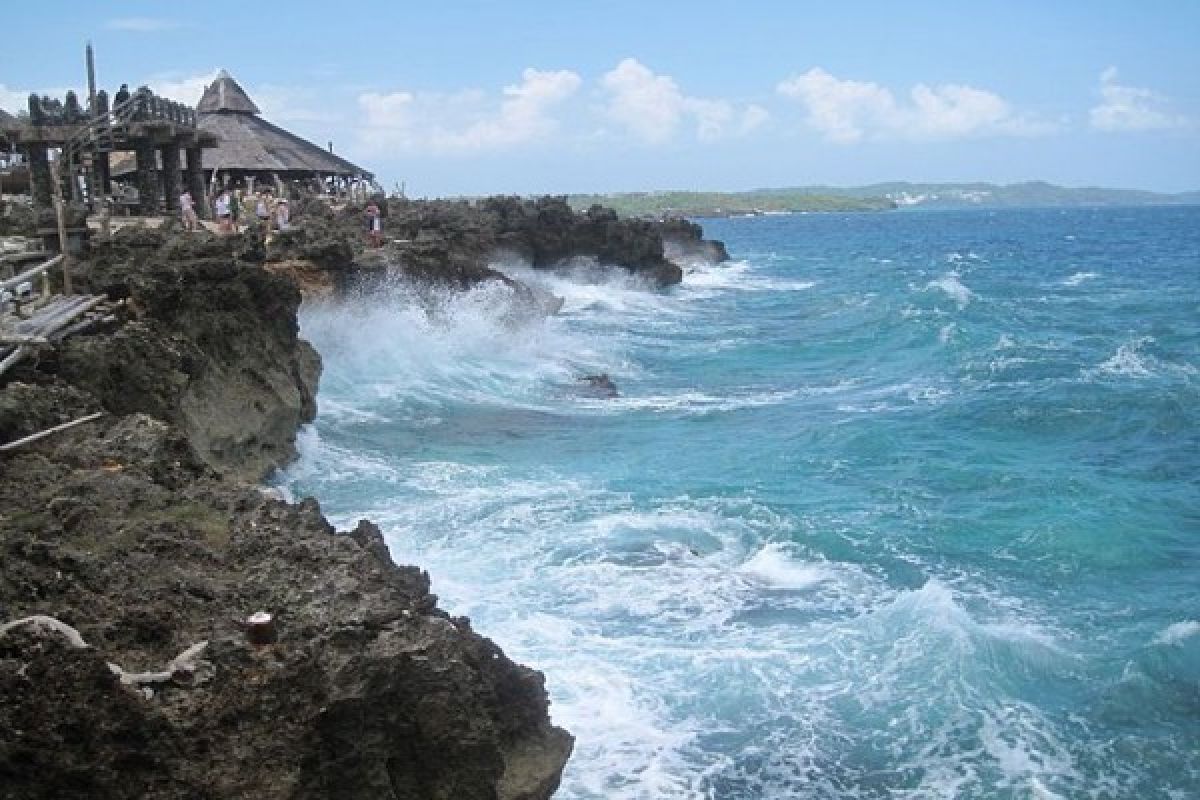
(891, 506)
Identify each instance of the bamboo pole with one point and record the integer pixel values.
(29, 274)
(33, 437)
(13, 358)
(60, 214)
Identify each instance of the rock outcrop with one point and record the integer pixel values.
(138, 538)
(453, 243)
(212, 347)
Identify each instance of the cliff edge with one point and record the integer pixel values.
(135, 552)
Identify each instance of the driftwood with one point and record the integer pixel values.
(33, 437)
(186, 668)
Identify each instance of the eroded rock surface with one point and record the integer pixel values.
(137, 531)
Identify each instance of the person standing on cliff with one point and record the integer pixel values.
(187, 210)
(235, 210)
(221, 207)
(374, 226)
(262, 210)
(283, 215)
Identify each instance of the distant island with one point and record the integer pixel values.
(875, 197)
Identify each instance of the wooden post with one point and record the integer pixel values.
(60, 214)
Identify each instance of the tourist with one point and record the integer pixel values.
(235, 210)
(262, 210)
(282, 214)
(374, 226)
(222, 208)
(187, 210)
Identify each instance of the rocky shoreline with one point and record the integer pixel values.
(136, 546)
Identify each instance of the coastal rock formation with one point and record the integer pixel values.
(132, 555)
(212, 347)
(454, 243)
(455, 240)
(684, 242)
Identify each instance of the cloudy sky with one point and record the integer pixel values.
(475, 97)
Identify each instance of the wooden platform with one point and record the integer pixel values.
(42, 320)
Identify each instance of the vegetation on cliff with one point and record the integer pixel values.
(719, 204)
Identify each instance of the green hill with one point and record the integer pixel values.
(876, 197)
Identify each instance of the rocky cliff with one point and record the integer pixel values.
(454, 242)
(133, 553)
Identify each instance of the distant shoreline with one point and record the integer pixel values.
(875, 197)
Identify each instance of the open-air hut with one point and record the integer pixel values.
(251, 148)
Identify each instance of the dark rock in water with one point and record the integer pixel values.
(134, 531)
(600, 385)
(684, 242)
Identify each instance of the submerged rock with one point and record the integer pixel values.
(600, 385)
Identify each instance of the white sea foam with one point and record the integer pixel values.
(665, 622)
(690, 402)
(1177, 632)
(1079, 277)
(738, 276)
(953, 287)
(438, 348)
(1129, 360)
(775, 567)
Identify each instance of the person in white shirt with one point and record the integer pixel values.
(224, 219)
(282, 214)
(187, 210)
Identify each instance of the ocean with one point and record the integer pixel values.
(899, 505)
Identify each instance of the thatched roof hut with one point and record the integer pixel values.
(251, 146)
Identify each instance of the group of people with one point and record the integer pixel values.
(230, 209)
(269, 213)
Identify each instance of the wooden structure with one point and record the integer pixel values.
(251, 149)
(30, 320)
(158, 131)
(14, 173)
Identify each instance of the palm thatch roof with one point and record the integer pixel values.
(248, 143)
(224, 94)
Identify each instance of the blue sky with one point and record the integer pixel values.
(523, 97)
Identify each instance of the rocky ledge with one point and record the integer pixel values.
(455, 242)
(136, 549)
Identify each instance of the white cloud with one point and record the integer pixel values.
(278, 103)
(653, 107)
(469, 121)
(14, 100)
(847, 111)
(186, 89)
(141, 24)
(753, 118)
(1130, 108)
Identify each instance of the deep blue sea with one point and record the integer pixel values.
(900, 505)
